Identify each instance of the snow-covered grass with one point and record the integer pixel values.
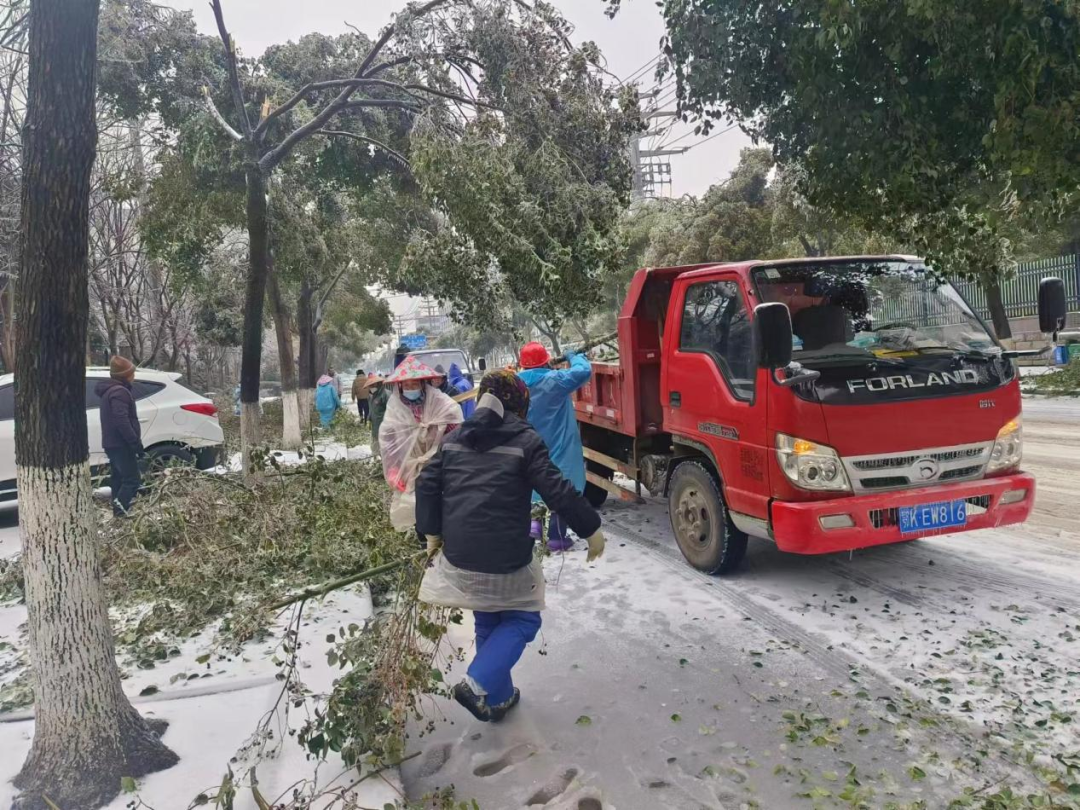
(226, 711)
(215, 705)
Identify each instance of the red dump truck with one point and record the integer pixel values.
(824, 404)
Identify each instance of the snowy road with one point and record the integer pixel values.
(895, 674)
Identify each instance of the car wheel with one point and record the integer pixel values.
(704, 531)
(159, 459)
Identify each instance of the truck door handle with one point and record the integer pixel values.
(675, 398)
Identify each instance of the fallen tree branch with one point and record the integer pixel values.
(321, 590)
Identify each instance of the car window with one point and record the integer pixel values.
(716, 322)
(140, 389)
(7, 403)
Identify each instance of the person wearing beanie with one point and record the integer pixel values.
(552, 414)
(474, 504)
(121, 436)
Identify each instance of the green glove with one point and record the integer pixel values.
(596, 546)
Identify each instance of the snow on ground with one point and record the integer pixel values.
(324, 448)
(214, 706)
(925, 666)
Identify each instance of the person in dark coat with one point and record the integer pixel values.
(121, 436)
(474, 502)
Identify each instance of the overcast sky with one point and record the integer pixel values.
(629, 42)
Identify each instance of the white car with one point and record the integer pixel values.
(178, 425)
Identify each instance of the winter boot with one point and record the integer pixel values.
(499, 711)
(474, 703)
(557, 545)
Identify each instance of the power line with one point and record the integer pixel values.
(643, 68)
(714, 135)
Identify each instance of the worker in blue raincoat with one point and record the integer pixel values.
(551, 412)
(460, 384)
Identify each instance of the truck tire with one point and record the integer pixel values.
(597, 496)
(705, 534)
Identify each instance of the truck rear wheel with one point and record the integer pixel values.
(596, 496)
(705, 534)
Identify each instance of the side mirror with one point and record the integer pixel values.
(1052, 306)
(772, 335)
(482, 364)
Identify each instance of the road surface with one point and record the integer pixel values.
(883, 678)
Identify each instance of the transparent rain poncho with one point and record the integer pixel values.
(407, 444)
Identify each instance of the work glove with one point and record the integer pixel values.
(596, 545)
(434, 543)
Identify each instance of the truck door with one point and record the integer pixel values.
(712, 393)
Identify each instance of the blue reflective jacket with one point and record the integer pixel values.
(461, 384)
(551, 412)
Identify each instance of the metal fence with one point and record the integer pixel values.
(1020, 294)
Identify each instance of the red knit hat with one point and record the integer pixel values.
(534, 355)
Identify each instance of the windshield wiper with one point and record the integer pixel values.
(953, 350)
(850, 359)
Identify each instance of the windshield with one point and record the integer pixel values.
(872, 311)
(443, 360)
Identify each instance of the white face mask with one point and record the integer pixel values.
(413, 395)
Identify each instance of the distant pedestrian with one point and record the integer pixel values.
(236, 400)
(333, 375)
(460, 384)
(379, 397)
(552, 414)
(327, 400)
(121, 436)
(361, 394)
(473, 501)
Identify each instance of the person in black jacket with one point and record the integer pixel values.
(474, 502)
(120, 434)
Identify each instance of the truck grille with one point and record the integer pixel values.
(909, 469)
(882, 518)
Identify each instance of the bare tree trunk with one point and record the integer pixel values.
(308, 361)
(292, 437)
(86, 733)
(994, 302)
(7, 313)
(251, 352)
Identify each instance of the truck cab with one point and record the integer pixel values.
(824, 404)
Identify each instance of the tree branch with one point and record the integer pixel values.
(279, 153)
(299, 95)
(230, 60)
(217, 116)
(400, 158)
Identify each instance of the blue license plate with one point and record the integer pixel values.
(929, 516)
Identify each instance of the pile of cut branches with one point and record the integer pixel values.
(204, 547)
(1063, 382)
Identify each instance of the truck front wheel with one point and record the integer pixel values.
(705, 534)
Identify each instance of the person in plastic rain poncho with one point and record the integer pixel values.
(327, 400)
(417, 417)
(552, 414)
(474, 502)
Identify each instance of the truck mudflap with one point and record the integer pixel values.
(843, 524)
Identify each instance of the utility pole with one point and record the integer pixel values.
(652, 172)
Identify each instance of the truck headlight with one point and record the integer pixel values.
(1008, 447)
(809, 465)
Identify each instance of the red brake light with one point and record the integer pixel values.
(204, 408)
